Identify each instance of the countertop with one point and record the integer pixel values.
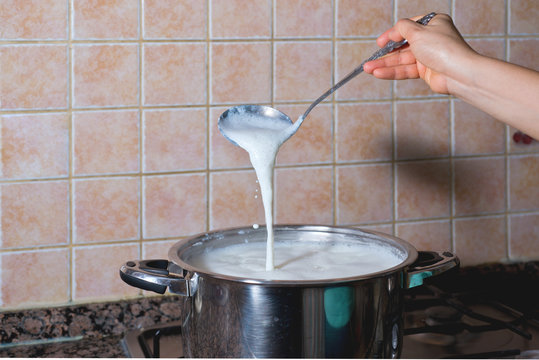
(90, 330)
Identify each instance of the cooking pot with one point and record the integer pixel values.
(229, 316)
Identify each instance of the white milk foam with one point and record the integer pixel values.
(297, 260)
(262, 144)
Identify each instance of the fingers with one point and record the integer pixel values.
(401, 57)
(396, 66)
(401, 72)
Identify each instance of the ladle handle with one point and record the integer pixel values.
(389, 47)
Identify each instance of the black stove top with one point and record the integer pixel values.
(491, 311)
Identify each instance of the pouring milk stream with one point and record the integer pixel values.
(261, 130)
(262, 140)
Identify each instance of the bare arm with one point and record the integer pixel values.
(439, 55)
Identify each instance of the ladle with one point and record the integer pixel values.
(262, 116)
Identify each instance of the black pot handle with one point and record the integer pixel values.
(156, 275)
(429, 263)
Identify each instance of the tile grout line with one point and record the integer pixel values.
(452, 169)
(273, 25)
(452, 214)
(507, 138)
(393, 95)
(334, 117)
(71, 145)
(208, 115)
(142, 125)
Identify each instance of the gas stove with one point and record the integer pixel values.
(491, 311)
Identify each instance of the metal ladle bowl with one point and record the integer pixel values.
(264, 114)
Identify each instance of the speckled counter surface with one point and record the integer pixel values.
(103, 347)
(91, 330)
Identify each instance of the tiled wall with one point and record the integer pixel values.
(110, 150)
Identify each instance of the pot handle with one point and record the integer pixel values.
(429, 263)
(156, 275)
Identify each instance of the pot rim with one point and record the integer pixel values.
(183, 245)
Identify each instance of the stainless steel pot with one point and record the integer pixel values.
(227, 316)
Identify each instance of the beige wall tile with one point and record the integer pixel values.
(34, 214)
(523, 182)
(476, 132)
(364, 194)
(235, 200)
(422, 129)
(364, 132)
(240, 72)
(413, 88)
(106, 209)
(174, 74)
(524, 51)
(45, 280)
(312, 143)
(363, 17)
(427, 236)
(471, 17)
(96, 271)
(302, 70)
(523, 17)
(34, 146)
(106, 142)
(303, 196)
(34, 19)
(383, 228)
(479, 186)
(423, 189)
(490, 47)
(105, 75)
(411, 8)
(229, 18)
(349, 55)
(524, 236)
(174, 139)
(157, 249)
(303, 18)
(33, 77)
(480, 240)
(174, 205)
(110, 19)
(174, 19)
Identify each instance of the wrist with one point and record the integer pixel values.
(466, 72)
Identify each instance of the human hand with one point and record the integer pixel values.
(436, 53)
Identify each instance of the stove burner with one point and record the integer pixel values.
(440, 315)
(477, 321)
(154, 342)
(445, 318)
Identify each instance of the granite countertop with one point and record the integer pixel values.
(91, 330)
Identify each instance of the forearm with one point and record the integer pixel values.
(508, 92)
